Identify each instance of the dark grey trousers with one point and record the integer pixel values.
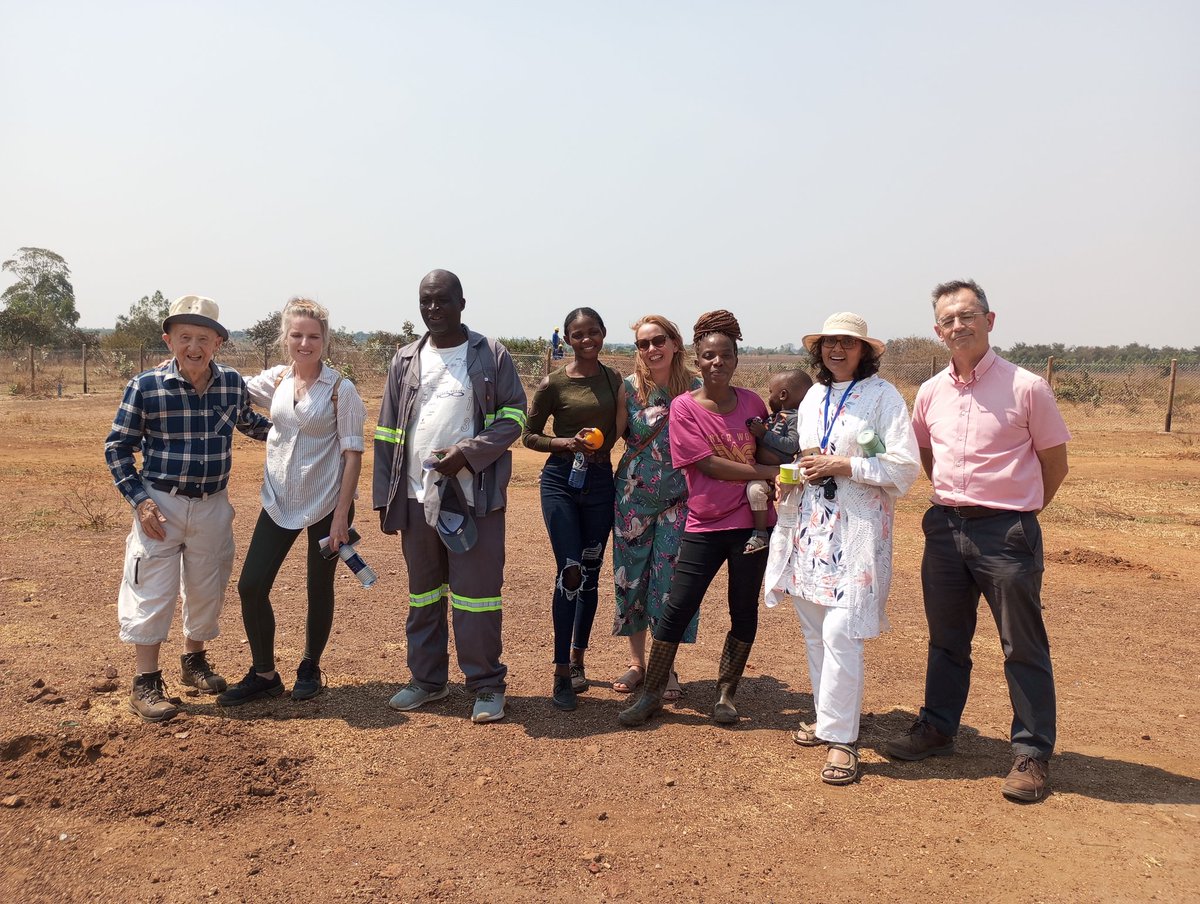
(472, 583)
(1001, 557)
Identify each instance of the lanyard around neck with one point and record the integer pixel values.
(829, 422)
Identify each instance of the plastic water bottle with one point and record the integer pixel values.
(789, 507)
(348, 554)
(578, 471)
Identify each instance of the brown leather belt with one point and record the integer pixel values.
(974, 511)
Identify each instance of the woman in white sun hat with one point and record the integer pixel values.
(859, 455)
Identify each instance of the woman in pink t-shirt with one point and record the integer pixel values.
(712, 444)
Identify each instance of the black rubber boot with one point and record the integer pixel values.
(658, 672)
(733, 663)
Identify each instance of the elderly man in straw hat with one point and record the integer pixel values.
(995, 446)
(180, 416)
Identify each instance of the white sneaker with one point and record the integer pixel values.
(414, 695)
(489, 707)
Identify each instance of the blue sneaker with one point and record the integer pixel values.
(489, 706)
(414, 695)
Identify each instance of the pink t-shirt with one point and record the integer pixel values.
(697, 433)
(985, 434)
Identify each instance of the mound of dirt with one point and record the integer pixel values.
(179, 773)
(1094, 559)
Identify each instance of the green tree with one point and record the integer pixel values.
(386, 339)
(142, 326)
(519, 345)
(264, 335)
(39, 308)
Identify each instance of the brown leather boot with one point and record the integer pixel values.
(1027, 780)
(658, 672)
(733, 663)
(920, 741)
(149, 698)
(196, 672)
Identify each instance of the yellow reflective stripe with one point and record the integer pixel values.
(418, 600)
(476, 604)
(515, 414)
(487, 419)
(389, 435)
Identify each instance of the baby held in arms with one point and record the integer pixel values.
(778, 444)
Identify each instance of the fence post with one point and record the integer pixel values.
(83, 356)
(32, 373)
(266, 352)
(1171, 396)
(141, 358)
(1050, 371)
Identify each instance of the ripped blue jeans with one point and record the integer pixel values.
(579, 523)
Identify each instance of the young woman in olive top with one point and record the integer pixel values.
(581, 396)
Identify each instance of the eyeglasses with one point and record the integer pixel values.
(966, 319)
(846, 342)
(657, 341)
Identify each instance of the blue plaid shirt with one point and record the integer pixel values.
(185, 439)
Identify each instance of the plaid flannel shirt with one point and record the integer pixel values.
(185, 439)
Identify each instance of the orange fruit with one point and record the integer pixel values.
(594, 438)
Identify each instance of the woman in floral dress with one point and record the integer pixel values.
(651, 504)
(836, 562)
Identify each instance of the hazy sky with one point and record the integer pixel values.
(782, 160)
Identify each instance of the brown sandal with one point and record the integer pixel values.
(671, 694)
(631, 680)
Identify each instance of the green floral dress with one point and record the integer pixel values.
(651, 509)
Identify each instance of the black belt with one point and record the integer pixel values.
(974, 511)
(176, 490)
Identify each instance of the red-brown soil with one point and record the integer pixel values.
(342, 799)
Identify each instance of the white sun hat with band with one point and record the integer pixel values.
(845, 323)
(196, 310)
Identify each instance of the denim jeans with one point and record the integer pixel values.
(701, 555)
(578, 522)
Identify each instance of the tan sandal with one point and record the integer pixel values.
(841, 773)
(806, 735)
(756, 543)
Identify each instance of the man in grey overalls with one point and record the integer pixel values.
(452, 406)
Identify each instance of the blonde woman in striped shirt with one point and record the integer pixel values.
(314, 456)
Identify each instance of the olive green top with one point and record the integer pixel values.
(574, 403)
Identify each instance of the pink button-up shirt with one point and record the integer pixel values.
(985, 430)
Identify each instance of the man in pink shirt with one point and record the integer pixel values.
(994, 445)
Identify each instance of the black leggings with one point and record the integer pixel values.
(268, 548)
(701, 555)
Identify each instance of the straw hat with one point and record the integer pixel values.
(845, 324)
(196, 310)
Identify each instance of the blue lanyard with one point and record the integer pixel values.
(829, 423)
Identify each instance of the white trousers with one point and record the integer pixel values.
(836, 668)
(193, 562)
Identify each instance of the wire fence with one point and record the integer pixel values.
(1093, 396)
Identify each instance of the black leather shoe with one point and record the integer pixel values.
(564, 695)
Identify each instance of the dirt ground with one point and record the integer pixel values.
(342, 799)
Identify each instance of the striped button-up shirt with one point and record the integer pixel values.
(185, 438)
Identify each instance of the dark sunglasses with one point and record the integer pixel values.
(657, 341)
